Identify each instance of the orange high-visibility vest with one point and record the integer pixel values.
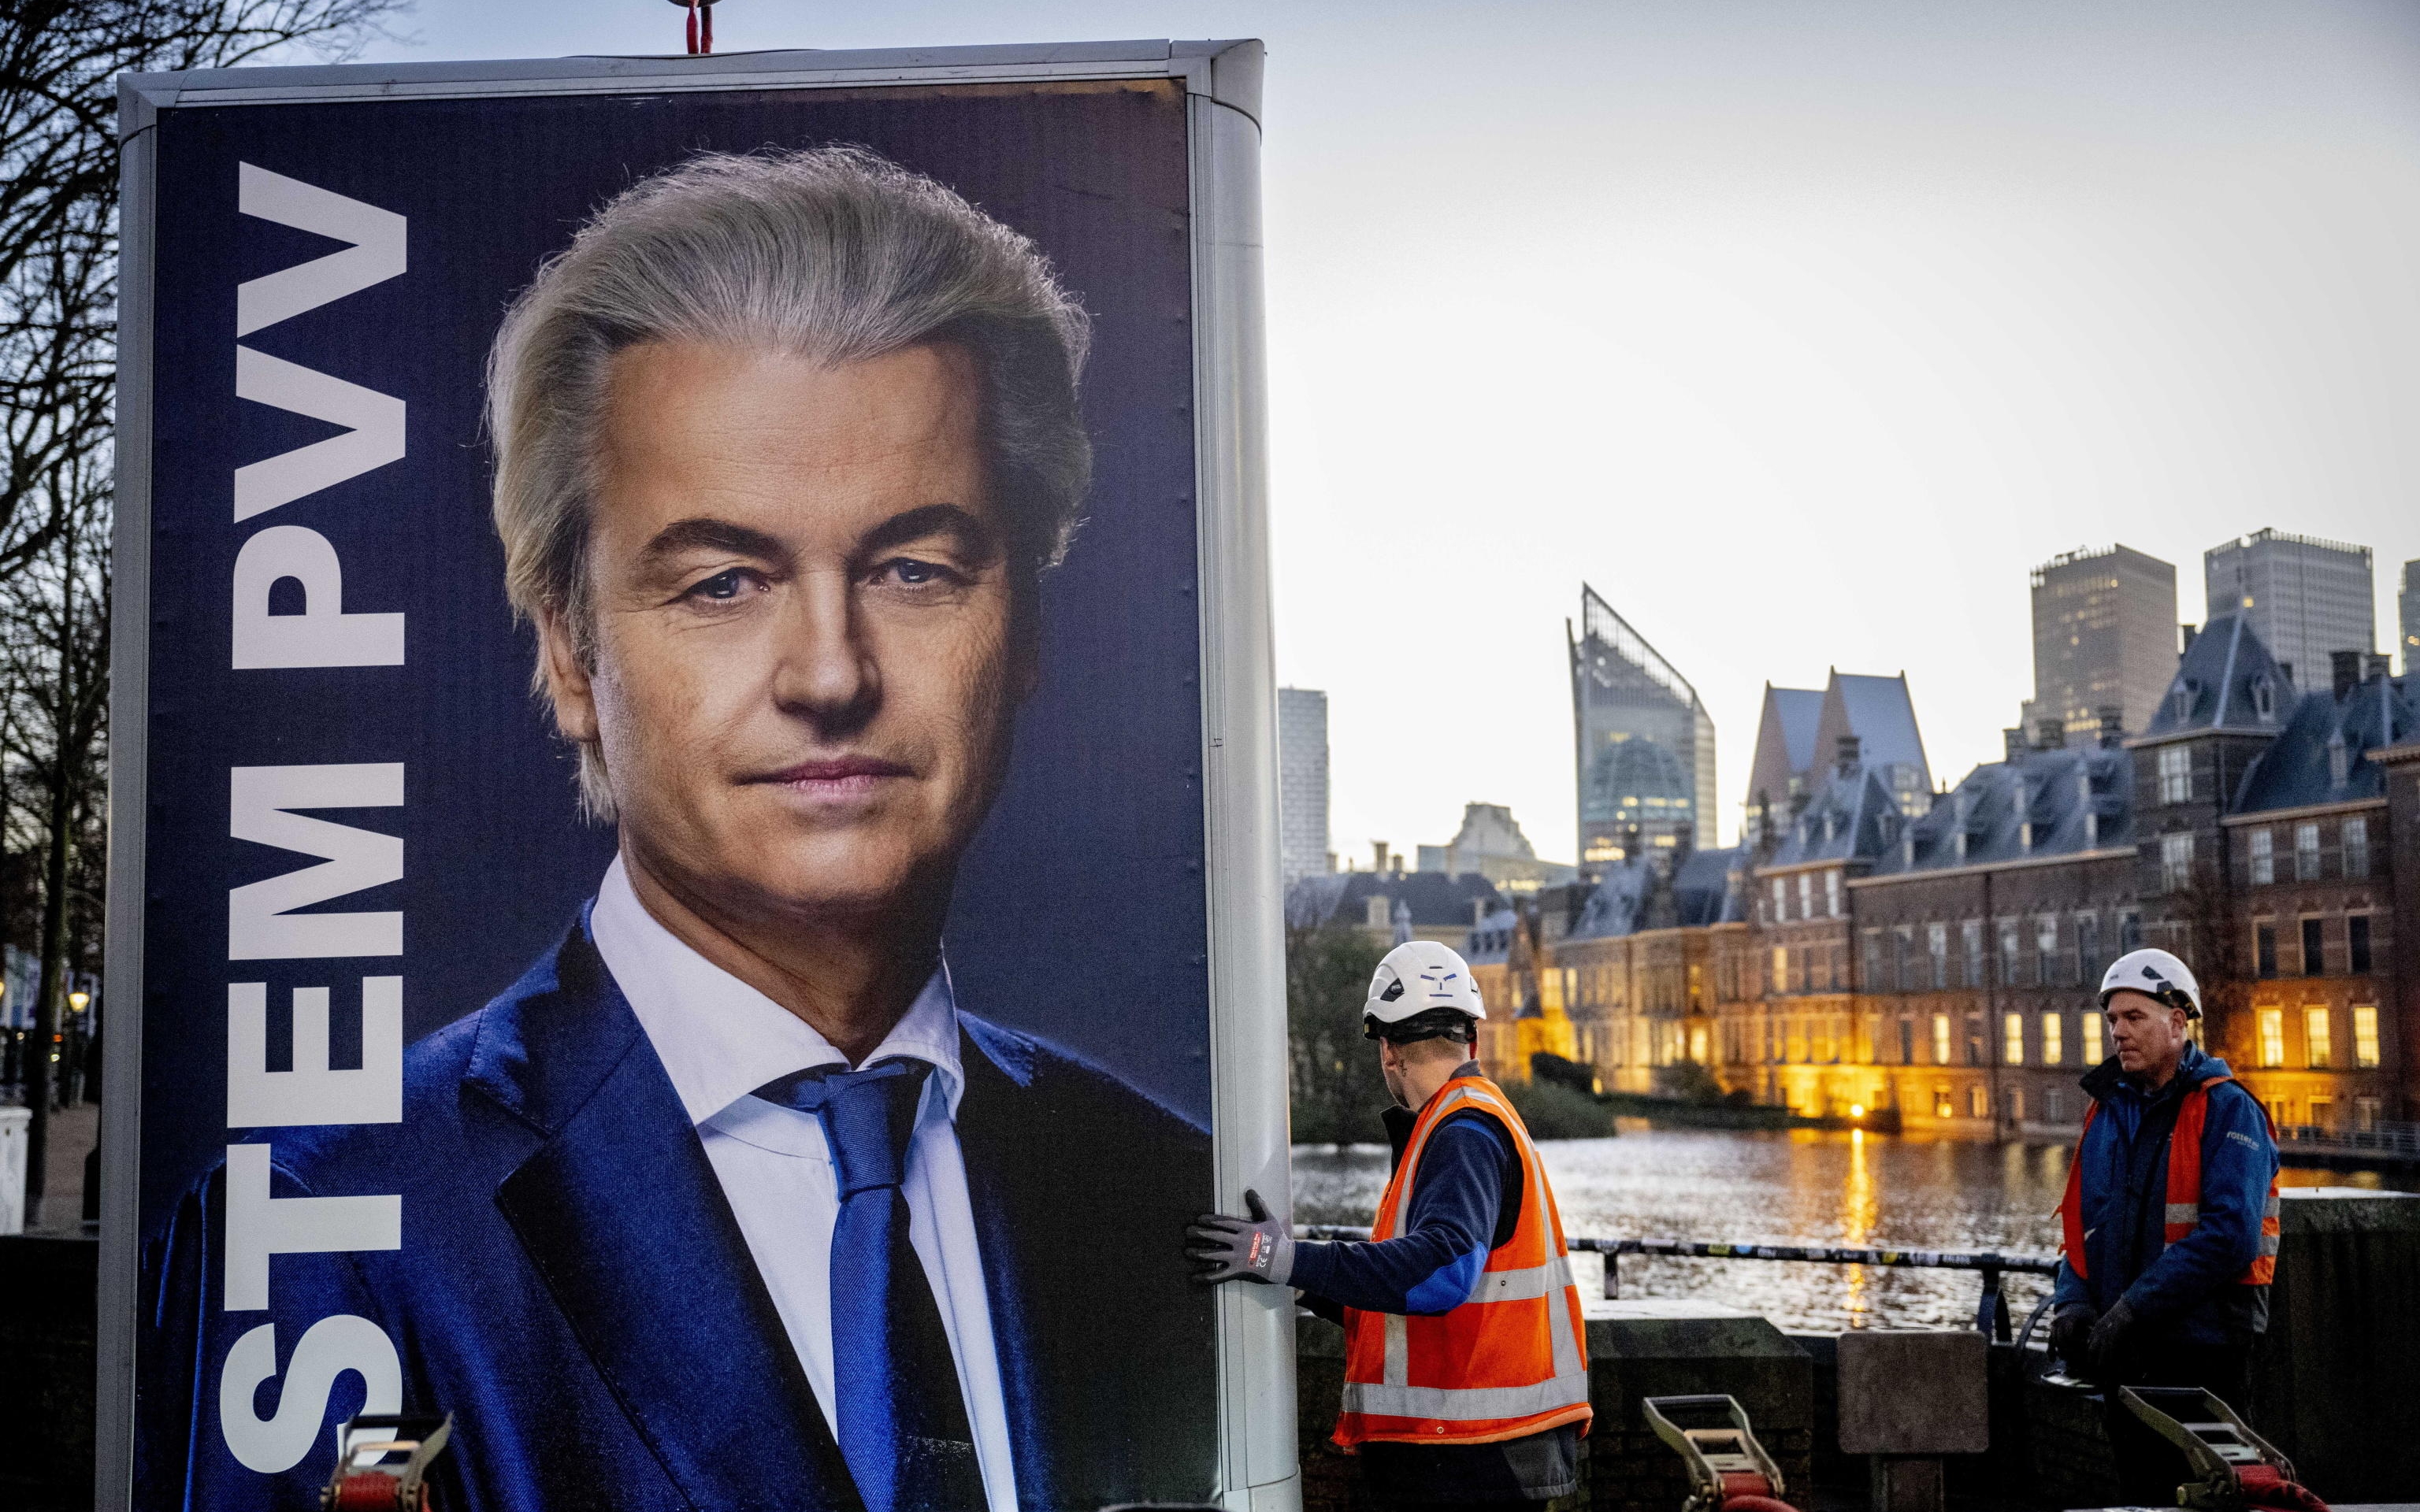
(2184, 1188)
(1512, 1360)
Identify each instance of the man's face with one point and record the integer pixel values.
(2148, 1034)
(806, 651)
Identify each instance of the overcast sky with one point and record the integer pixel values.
(1801, 331)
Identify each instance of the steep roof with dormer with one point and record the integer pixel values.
(2042, 804)
(2322, 755)
(2226, 681)
(1648, 892)
(1852, 817)
(1877, 711)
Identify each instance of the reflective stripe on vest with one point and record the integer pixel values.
(2183, 1208)
(1511, 1359)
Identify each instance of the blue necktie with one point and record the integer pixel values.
(903, 1421)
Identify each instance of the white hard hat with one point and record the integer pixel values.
(1420, 977)
(2157, 975)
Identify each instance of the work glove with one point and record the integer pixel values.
(2107, 1343)
(2070, 1327)
(1239, 1249)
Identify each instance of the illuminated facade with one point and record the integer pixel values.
(1644, 744)
(1938, 972)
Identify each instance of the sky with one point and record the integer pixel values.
(1802, 332)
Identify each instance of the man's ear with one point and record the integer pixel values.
(568, 685)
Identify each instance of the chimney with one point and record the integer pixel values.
(2012, 743)
(2185, 634)
(2049, 733)
(1378, 851)
(1851, 749)
(2344, 671)
(2113, 727)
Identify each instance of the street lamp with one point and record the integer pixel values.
(77, 1000)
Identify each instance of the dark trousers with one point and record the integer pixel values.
(2150, 1468)
(1519, 1475)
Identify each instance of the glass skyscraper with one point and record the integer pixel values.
(2305, 598)
(1302, 782)
(1645, 744)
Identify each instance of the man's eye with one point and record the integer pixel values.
(909, 572)
(722, 587)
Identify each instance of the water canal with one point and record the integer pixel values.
(1802, 1187)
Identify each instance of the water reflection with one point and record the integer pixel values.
(1804, 1187)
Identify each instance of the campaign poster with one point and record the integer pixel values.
(676, 873)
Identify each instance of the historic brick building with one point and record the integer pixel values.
(1943, 967)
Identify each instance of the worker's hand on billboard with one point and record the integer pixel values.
(1241, 1249)
(2108, 1344)
(2071, 1332)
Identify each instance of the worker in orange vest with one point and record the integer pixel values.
(2169, 1224)
(1466, 1372)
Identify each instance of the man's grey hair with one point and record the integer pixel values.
(833, 254)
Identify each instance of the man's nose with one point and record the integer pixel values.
(824, 671)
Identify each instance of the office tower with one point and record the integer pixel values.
(1302, 782)
(2105, 641)
(2408, 603)
(2304, 597)
(1645, 743)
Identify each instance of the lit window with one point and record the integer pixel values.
(1832, 893)
(2092, 1052)
(2272, 1036)
(1978, 1101)
(2264, 857)
(2316, 1037)
(2053, 1041)
(1780, 968)
(2013, 1033)
(2176, 774)
(1941, 1038)
(2176, 861)
(2356, 847)
(2306, 853)
(2364, 1036)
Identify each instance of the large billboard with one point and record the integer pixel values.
(693, 800)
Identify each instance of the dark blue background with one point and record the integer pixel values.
(1079, 914)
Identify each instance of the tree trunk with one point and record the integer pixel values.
(47, 997)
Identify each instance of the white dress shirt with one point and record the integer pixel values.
(718, 1040)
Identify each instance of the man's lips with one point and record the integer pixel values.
(842, 773)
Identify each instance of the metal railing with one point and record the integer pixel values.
(1990, 1311)
(2384, 1138)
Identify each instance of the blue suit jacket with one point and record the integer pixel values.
(573, 1288)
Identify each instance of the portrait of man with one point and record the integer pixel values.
(730, 1201)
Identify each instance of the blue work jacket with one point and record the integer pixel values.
(2186, 1292)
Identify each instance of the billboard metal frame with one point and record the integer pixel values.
(1259, 1470)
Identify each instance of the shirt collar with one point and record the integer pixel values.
(720, 1038)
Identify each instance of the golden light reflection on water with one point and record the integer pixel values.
(1859, 1210)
